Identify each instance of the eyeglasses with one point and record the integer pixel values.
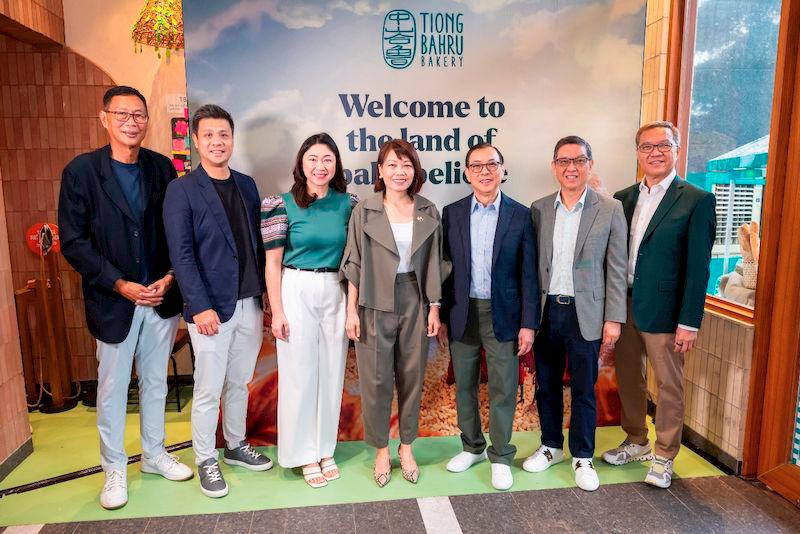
(665, 146)
(580, 161)
(477, 168)
(123, 116)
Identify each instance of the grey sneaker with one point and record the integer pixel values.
(211, 482)
(660, 473)
(627, 453)
(246, 456)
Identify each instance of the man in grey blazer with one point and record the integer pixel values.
(582, 276)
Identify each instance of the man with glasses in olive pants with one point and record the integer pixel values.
(491, 299)
(112, 233)
(671, 231)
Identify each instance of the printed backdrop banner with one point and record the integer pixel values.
(442, 75)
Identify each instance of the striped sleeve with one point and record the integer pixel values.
(274, 222)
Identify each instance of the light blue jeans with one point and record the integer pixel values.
(149, 343)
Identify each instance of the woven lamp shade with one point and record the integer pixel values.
(160, 25)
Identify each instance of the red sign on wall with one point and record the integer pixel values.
(42, 236)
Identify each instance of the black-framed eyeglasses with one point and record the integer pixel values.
(123, 116)
(664, 146)
(477, 168)
(580, 161)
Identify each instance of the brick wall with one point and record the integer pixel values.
(13, 412)
(656, 51)
(49, 99)
(34, 21)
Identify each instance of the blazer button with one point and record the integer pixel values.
(236, 258)
(137, 260)
(544, 292)
(136, 233)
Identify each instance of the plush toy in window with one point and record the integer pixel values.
(740, 285)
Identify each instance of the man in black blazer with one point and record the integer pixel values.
(490, 300)
(112, 233)
(212, 217)
(671, 232)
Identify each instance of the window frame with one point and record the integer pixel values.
(776, 349)
(683, 32)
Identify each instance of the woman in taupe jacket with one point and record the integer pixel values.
(393, 263)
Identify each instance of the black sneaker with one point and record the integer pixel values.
(246, 456)
(211, 482)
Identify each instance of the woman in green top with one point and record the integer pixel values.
(304, 233)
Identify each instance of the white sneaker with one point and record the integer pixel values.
(627, 453)
(502, 479)
(168, 466)
(660, 473)
(543, 458)
(585, 474)
(115, 490)
(464, 460)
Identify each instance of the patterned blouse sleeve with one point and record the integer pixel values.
(353, 200)
(274, 222)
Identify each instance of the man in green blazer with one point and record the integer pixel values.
(671, 231)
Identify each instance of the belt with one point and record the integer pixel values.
(564, 300)
(316, 270)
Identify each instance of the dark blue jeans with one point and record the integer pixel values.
(559, 344)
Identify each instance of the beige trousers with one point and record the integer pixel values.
(632, 351)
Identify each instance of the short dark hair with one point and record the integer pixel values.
(402, 149)
(573, 140)
(478, 147)
(299, 189)
(209, 111)
(676, 133)
(122, 90)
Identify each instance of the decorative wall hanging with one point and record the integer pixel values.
(160, 25)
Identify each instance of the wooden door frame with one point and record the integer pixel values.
(776, 349)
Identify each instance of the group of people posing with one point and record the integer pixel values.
(575, 270)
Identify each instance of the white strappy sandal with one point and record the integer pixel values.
(311, 472)
(327, 465)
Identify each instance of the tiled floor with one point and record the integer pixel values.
(710, 504)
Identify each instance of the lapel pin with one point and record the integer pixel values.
(419, 218)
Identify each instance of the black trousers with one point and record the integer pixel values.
(558, 345)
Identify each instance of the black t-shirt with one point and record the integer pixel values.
(249, 278)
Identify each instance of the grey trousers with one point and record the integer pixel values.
(503, 366)
(392, 350)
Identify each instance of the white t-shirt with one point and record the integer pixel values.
(403, 232)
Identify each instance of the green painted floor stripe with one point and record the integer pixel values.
(67, 442)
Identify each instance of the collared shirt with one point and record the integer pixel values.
(565, 234)
(646, 205)
(482, 227)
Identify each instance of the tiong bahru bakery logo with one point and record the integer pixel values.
(427, 39)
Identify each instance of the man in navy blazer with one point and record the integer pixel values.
(112, 233)
(491, 300)
(212, 217)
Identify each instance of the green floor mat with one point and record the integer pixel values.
(68, 441)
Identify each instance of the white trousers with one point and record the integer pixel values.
(149, 343)
(310, 367)
(224, 365)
